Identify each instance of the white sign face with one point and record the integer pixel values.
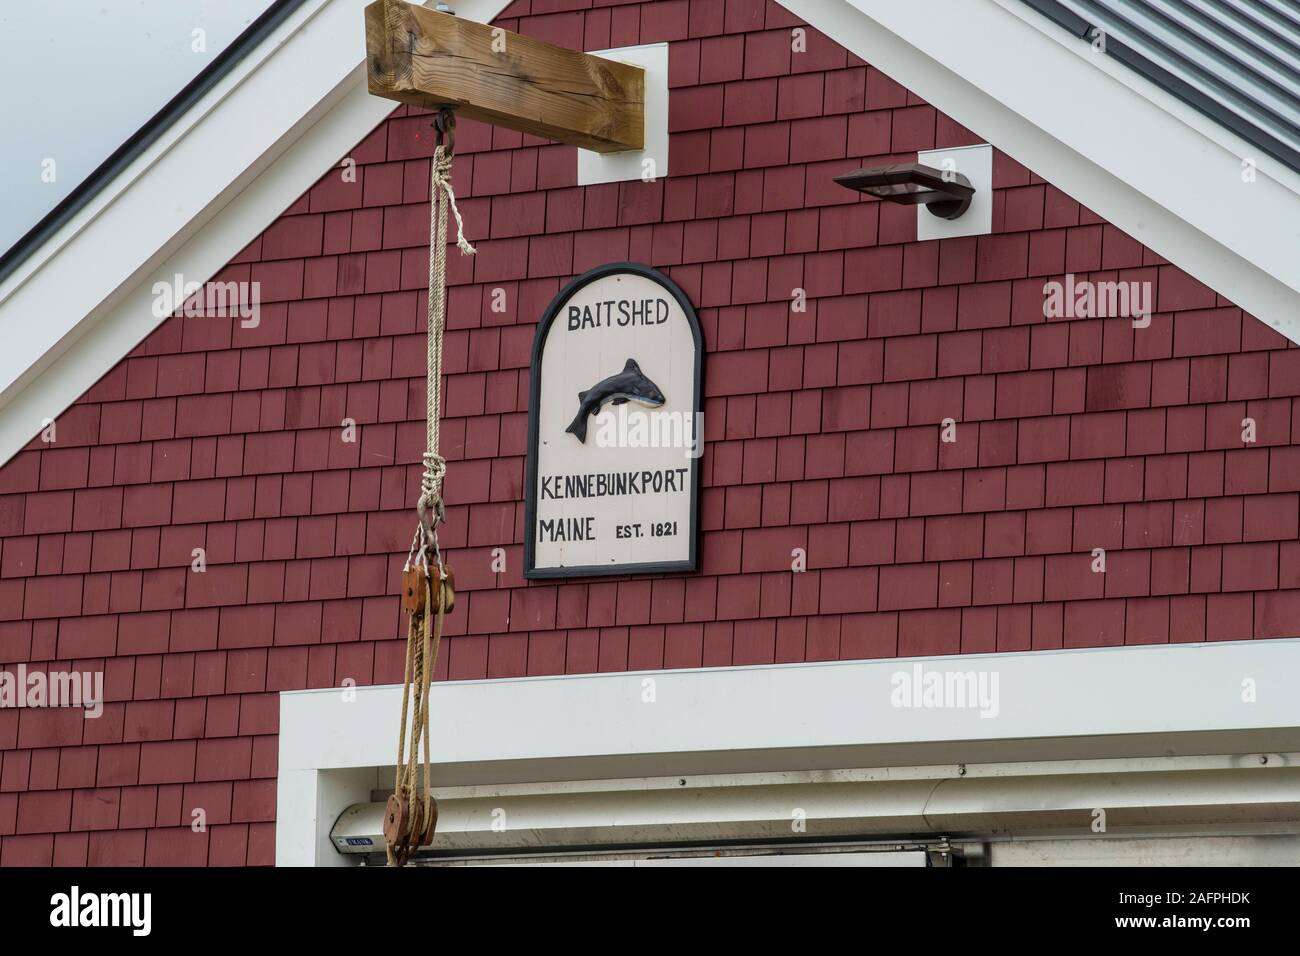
(615, 431)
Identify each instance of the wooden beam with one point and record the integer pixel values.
(419, 56)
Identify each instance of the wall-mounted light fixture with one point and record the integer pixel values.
(945, 194)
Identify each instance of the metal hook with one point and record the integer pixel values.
(445, 125)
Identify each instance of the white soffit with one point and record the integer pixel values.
(1133, 153)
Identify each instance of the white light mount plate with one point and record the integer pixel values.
(976, 164)
(649, 163)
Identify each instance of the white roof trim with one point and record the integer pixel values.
(198, 195)
(221, 174)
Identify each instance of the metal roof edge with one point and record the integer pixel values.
(1139, 63)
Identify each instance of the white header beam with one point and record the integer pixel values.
(742, 714)
(1153, 700)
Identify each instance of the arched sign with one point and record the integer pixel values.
(614, 428)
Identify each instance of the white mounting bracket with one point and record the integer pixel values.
(651, 162)
(976, 164)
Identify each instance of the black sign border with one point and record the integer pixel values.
(534, 404)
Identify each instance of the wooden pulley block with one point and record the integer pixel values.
(427, 827)
(397, 820)
(431, 824)
(413, 589)
(448, 589)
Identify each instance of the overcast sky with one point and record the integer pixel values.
(77, 77)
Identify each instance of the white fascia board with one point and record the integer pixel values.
(94, 346)
(171, 190)
(1134, 154)
(207, 187)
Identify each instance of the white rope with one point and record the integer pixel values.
(441, 196)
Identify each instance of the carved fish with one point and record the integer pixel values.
(629, 385)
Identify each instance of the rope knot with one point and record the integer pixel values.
(435, 468)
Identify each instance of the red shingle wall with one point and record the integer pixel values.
(822, 428)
